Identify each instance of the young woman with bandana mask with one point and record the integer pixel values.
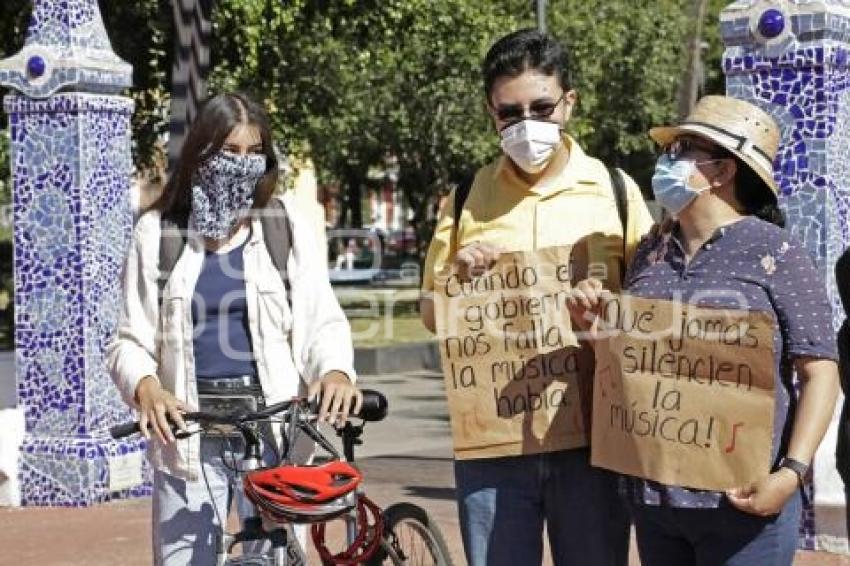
(226, 322)
(727, 243)
(544, 191)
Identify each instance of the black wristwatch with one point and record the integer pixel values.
(797, 467)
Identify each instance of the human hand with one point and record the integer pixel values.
(337, 394)
(584, 302)
(474, 259)
(767, 496)
(156, 407)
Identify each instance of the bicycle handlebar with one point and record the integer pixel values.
(374, 408)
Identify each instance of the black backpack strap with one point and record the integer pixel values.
(277, 234)
(618, 184)
(172, 240)
(461, 194)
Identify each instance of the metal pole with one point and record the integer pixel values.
(541, 15)
(71, 163)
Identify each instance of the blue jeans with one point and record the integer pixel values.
(722, 536)
(185, 523)
(504, 503)
(847, 505)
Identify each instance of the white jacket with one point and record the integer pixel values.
(308, 341)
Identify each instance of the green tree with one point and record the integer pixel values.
(14, 16)
(628, 57)
(140, 32)
(432, 102)
(715, 80)
(308, 62)
(352, 81)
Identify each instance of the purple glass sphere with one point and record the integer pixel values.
(771, 23)
(36, 65)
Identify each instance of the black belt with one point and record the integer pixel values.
(245, 384)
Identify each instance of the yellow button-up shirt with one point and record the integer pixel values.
(572, 203)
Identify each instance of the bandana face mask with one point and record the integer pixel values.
(223, 189)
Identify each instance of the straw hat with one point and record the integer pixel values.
(743, 128)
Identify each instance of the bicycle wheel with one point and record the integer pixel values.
(411, 538)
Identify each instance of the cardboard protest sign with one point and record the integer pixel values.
(683, 395)
(510, 359)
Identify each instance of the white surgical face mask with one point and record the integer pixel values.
(531, 143)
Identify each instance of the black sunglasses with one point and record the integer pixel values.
(680, 147)
(538, 110)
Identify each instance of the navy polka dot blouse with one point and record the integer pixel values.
(756, 260)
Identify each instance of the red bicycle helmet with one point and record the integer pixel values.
(303, 494)
(370, 531)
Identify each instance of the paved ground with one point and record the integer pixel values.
(406, 457)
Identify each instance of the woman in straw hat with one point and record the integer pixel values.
(726, 248)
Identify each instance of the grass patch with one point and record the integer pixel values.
(385, 331)
(370, 303)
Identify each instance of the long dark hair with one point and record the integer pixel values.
(755, 196)
(216, 119)
(751, 192)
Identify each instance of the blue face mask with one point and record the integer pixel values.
(670, 184)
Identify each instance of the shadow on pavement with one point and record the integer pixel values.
(429, 492)
(414, 397)
(417, 414)
(408, 457)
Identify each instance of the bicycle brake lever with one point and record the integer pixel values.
(354, 431)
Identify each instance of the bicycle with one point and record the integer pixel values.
(405, 532)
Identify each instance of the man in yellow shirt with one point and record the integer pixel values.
(544, 191)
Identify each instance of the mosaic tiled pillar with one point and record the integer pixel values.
(71, 165)
(791, 58)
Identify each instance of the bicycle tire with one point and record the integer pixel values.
(420, 525)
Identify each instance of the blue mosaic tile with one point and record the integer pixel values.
(71, 166)
(67, 42)
(804, 84)
(68, 472)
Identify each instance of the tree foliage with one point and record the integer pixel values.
(352, 81)
(628, 59)
(349, 82)
(715, 80)
(14, 16)
(140, 32)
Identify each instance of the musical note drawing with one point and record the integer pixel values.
(731, 447)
